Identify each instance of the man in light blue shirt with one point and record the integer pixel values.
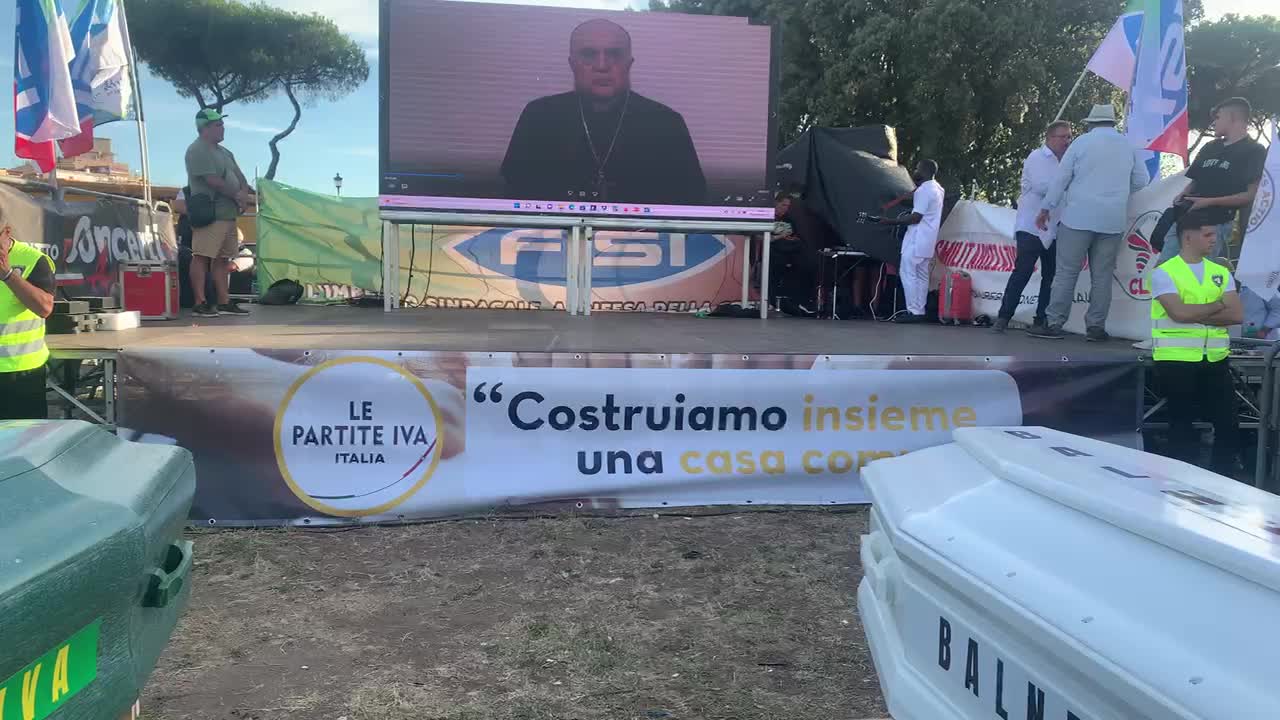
(1261, 317)
(1097, 175)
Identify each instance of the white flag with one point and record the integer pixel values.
(1259, 268)
(1117, 56)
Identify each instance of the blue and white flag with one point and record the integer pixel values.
(43, 97)
(101, 71)
(1157, 119)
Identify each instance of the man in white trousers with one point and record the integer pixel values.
(921, 239)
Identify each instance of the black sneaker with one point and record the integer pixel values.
(795, 309)
(1046, 333)
(908, 318)
(1096, 334)
(204, 310)
(232, 309)
(1000, 325)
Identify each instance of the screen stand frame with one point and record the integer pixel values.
(578, 258)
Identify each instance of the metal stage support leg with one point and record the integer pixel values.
(588, 263)
(68, 393)
(571, 270)
(395, 269)
(51, 385)
(835, 289)
(1267, 422)
(390, 237)
(1269, 481)
(1142, 405)
(109, 389)
(764, 276)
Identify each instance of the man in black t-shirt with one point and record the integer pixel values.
(186, 298)
(1224, 176)
(794, 262)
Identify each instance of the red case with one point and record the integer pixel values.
(955, 298)
(151, 288)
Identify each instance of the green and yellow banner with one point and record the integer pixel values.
(42, 687)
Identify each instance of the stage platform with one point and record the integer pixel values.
(614, 410)
(350, 328)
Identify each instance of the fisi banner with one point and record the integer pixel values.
(333, 247)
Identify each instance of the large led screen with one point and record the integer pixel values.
(538, 110)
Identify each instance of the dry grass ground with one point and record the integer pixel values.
(740, 616)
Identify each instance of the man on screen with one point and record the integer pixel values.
(602, 139)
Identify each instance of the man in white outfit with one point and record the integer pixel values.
(922, 237)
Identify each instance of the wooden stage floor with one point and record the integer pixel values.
(349, 328)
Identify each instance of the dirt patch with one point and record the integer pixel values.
(739, 616)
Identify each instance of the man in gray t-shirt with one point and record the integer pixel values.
(212, 172)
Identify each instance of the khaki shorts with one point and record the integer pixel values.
(219, 240)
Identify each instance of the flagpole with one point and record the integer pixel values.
(1074, 88)
(142, 117)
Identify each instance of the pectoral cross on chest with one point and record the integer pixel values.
(602, 185)
(601, 155)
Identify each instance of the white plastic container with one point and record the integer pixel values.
(1028, 574)
(125, 320)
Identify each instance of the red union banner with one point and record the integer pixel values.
(87, 241)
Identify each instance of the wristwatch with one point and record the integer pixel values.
(8, 275)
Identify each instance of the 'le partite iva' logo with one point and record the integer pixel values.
(357, 436)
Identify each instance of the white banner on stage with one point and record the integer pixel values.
(649, 435)
(978, 239)
(1260, 257)
(330, 436)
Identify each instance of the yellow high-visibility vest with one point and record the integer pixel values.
(1190, 342)
(21, 331)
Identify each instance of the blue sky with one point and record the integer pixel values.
(338, 137)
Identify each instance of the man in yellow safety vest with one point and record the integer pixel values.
(26, 299)
(1195, 301)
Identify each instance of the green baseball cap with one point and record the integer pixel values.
(206, 116)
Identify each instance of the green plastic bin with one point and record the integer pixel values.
(94, 572)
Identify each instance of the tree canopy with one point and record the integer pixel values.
(220, 52)
(1234, 57)
(969, 83)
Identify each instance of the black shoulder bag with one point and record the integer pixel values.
(200, 210)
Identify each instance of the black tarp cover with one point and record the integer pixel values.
(841, 172)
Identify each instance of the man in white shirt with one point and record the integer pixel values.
(1035, 245)
(922, 237)
(1097, 175)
